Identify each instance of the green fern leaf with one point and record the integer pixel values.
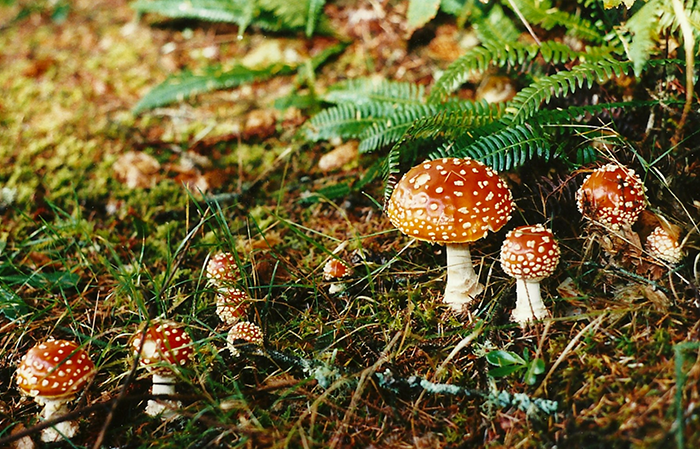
(504, 149)
(479, 59)
(644, 27)
(496, 27)
(528, 100)
(232, 11)
(314, 9)
(372, 90)
(186, 84)
(345, 120)
(542, 14)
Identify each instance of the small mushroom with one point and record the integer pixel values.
(243, 332)
(163, 345)
(222, 270)
(336, 270)
(452, 202)
(231, 304)
(529, 254)
(54, 373)
(613, 196)
(663, 246)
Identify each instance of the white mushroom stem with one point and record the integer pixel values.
(528, 305)
(462, 281)
(164, 385)
(54, 408)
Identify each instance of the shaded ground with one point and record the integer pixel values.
(89, 250)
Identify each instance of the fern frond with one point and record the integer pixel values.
(232, 11)
(417, 121)
(314, 8)
(496, 27)
(372, 90)
(504, 149)
(184, 85)
(542, 14)
(642, 36)
(346, 120)
(528, 100)
(479, 59)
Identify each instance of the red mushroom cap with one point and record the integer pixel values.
(243, 331)
(246, 331)
(55, 369)
(662, 245)
(231, 304)
(613, 195)
(530, 253)
(165, 341)
(336, 269)
(222, 269)
(450, 201)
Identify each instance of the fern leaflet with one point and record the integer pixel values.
(528, 100)
(367, 90)
(186, 84)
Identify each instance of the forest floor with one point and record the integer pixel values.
(109, 219)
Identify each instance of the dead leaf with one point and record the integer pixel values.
(338, 157)
(136, 169)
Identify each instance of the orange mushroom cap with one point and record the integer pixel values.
(55, 369)
(613, 195)
(450, 201)
(336, 269)
(231, 304)
(222, 269)
(661, 245)
(165, 341)
(530, 253)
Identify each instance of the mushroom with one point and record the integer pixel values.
(336, 270)
(222, 270)
(663, 246)
(613, 196)
(231, 304)
(245, 331)
(162, 345)
(54, 373)
(452, 202)
(529, 254)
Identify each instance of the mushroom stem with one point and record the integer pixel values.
(54, 408)
(164, 385)
(462, 281)
(529, 305)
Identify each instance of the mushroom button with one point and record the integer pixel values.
(231, 305)
(529, 254)
(336, 270)
(612, 195)
(452, 202)
(663, 246)
(162, 345)
(245, 332)
(222, 270)
(53, 373)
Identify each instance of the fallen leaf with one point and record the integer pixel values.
(136, 169)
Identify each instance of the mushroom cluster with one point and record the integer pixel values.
(232, 303)
(452, 202)
(54, 373)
